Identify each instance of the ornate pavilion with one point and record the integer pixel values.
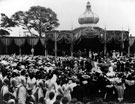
(88, 36)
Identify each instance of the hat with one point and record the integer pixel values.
(22, 67)
(11, 101)
(86, 76)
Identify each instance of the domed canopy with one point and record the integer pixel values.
(88, 17)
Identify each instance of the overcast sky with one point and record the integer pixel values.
(114, 14)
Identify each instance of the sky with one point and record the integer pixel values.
(113, 14)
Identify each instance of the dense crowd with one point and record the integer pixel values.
(28, 79)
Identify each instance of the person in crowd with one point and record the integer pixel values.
(21, 92)
(39, 79)
(4, 90)
(51, 98)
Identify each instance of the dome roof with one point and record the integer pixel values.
(88, 17)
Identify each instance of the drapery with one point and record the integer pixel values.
(42, 40)
(105, 37)
(64, 36)
(60, 38)
(6, 40)
(50, 36)
(19, 41)
(32, 41)
(89, 32)
(131, 41)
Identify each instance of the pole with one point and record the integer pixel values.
(122, 43)
(55, 44)
(72, 45)
(6, 47)
(19, 38)
(45, 45)
(128, 42)
(105, 48)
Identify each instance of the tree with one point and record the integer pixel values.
(5, 23)
(40, 18)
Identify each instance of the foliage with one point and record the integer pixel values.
(40, 18)
(7, 22)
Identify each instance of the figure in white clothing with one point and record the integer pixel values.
(114, 54)
(67, 90)
(21, 93)
(50, 85)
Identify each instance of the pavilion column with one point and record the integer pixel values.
(72, 45)
(122, 43)
(129, 45)
(45, 45)
(105, 46)
(128, 51)
(55, 43)
(6, 47)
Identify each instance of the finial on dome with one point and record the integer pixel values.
(88, 17)
(88, 5)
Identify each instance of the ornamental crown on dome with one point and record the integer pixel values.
(88, 17)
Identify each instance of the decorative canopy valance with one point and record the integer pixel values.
(70, 36)
(6, 40)
(19, 41)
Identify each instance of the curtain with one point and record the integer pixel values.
(19, 41)
(109, 37)
(67, 38)
(131, 41)
(32, 41)
(50, 36)
(6, 40)
(121, 35)
(42, 40)
(89, 32)
(60, 38)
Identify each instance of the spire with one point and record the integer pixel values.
(88, 5)
(88, 17)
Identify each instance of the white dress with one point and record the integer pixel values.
(22, 93)
(50, 87)
(67, 91)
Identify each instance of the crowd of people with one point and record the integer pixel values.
(28, 79)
